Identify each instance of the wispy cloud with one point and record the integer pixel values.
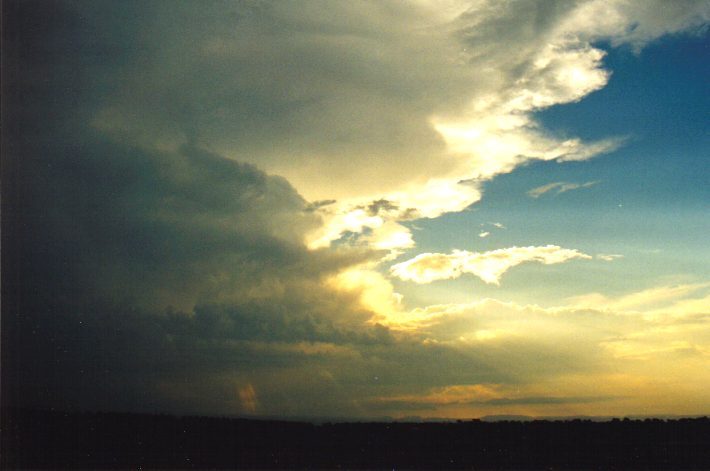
(609, 257)
(560, 187)
(488, 266)
(656, 298)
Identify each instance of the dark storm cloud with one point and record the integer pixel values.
(122, 265)
(83, 206)
(104, 356)
(147, 279)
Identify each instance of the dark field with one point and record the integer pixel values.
(43, 439)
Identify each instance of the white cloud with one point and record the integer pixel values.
(488, 266)
(635, 22)
(390, 236)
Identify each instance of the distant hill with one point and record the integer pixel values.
(35, 439)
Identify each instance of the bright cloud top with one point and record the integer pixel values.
(414, 103)
(488, 266)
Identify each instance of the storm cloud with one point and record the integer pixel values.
(197, 198)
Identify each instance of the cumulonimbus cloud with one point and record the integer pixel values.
(167, 168)
(488, 266)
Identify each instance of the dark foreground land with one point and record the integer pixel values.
(43, 439)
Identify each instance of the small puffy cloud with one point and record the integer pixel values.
(488, 227)
(561, 187)
(488, 266)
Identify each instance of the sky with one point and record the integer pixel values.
(447, 209)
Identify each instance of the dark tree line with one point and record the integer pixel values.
(51, 439)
